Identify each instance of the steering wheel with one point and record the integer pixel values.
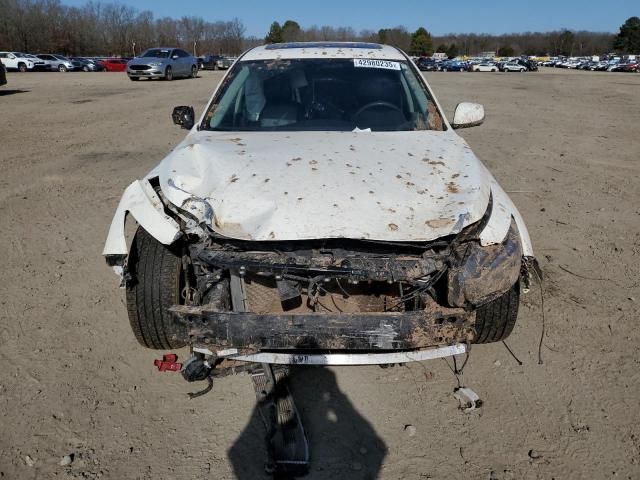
(371, 105)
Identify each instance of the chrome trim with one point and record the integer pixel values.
(282, 358)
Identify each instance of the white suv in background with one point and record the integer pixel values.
(15, 61)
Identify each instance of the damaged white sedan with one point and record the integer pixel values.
(322, 210)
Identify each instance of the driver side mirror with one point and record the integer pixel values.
(468, 115)
(184, 116)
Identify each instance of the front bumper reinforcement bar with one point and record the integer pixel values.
(370, 331)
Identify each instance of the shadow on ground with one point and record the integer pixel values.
(5, 92)
(342, 443)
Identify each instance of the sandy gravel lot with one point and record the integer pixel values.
(74, 381)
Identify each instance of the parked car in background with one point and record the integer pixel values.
(484, 67)
(38, 65)
(426, 64)
(87, 64)
(114, 64)
(166, 63)
(16, 61)
(56, 62)
(3, 74)
(215, 62)
(513, 67)
(454, 66)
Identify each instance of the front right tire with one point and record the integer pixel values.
(168, 74)
(156, 285)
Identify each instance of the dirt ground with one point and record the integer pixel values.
(73, 381)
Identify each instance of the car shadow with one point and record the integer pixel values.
(342, 443)
(5, 92)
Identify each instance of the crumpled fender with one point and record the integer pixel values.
(142, 202)
(500, 221)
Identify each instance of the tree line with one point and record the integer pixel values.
(421, 42)
(115, 29)
(110, 29)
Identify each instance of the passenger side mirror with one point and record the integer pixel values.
(468, 115)
(184, 116)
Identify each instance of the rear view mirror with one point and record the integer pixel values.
(184, 116)
(468, 115)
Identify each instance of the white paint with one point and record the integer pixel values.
(142, 202)
(282, 358)
(468, 114)
(397, 186)
(384, 53)
(500, 221)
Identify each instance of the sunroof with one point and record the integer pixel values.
(278, 46)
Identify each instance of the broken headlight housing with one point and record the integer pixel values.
(479, 274)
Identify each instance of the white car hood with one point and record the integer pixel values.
(392, 186)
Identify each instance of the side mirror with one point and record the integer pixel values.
(184, 116)
(468, 115)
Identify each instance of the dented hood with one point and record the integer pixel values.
(393, 186)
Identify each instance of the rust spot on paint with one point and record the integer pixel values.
(439, 222)
(393, 227)
(452, 187)
(233, 179)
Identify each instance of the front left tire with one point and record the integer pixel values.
(496, 319)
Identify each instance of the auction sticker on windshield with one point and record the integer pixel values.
(370, 63)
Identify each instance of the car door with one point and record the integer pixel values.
(51, 60)
(174, 60)
(9, 60)
(184, 60)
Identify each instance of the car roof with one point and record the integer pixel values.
(294, 50)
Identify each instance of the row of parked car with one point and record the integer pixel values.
(25, 62)
(615, 64)
(428, 64)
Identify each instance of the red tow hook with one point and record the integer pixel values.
(169, 363)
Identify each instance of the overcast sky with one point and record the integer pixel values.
(439, 17)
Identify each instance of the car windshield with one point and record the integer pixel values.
(156, 53)
(322, 94)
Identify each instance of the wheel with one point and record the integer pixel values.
(62, 68)
(157, 283)
(85, 69)
(22, 67)
(444, 69)
(134, 79)
(496, 319)
(194, 71)
(168, 74)
(462, 69)
(522, 70)
(494, 70)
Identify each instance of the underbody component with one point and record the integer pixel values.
(287, 446)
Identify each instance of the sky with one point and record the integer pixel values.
(438, 17)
